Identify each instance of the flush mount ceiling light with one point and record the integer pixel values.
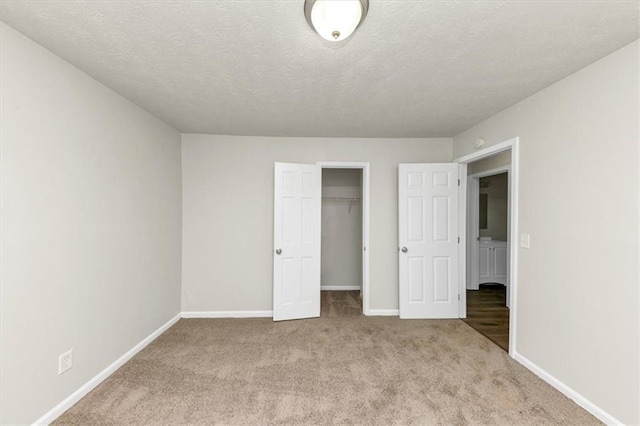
(335, 20)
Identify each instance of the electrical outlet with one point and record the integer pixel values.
(65, 362)
(525, 241)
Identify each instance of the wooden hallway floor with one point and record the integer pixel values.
(487, 312)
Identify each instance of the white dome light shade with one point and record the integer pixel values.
(335, 20)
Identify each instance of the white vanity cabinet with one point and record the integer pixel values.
(492, 262)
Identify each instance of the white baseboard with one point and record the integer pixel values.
(56, 411)
(383, 312)
(227, 314)
(339, 287)
(596, 411)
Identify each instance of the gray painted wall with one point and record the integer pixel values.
(91, 213)
(228, 212)
(578, 301)
(499, 160)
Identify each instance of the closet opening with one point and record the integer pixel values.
(343, 244)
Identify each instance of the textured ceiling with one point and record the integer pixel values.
(254, 67)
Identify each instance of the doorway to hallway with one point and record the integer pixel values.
(491, 273)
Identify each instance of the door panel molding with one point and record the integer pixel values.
(296, 251)
(428, 231)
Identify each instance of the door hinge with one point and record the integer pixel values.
(458, 297)
(458, 182)
(458, 240)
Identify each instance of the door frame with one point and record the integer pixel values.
(514, 145)
(473, 221)
(364, 166)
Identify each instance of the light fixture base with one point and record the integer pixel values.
(335, 20)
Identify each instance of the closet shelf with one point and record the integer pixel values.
(342, 198)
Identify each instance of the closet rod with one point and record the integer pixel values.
(342, 198)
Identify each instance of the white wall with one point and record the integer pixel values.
(499, 160)
(341, 228)
(91, 213)
(228, 212)
(578, 286)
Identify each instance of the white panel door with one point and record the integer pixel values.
(296, 258)
(428, 237)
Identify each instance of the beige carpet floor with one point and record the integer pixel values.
(340, 304)
(357, 370)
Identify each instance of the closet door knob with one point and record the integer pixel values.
(278, 251)
(404, 249)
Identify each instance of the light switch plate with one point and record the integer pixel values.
(525, 241)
